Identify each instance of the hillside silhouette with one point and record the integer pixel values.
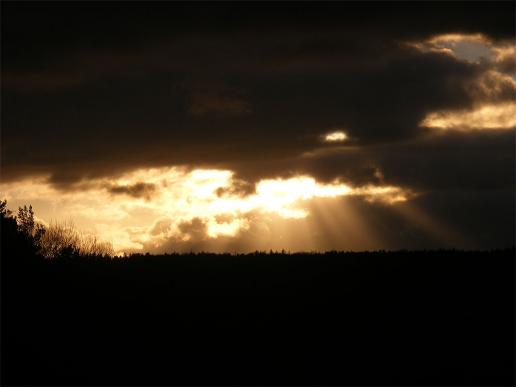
(441, 317)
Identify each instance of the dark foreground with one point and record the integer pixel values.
(406, 318)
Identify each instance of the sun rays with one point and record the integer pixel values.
(148, 208)
(203, 209)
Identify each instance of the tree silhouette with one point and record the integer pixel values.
(4, 211)
(23, 236)
(28, 225)
(20, 236)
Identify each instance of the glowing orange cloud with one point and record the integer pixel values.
(486, 117)
(490, 86)
(179, 199)
(336, 136)
(467, 47)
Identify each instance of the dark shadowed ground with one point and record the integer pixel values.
(400, 318)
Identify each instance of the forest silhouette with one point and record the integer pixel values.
(74, 315)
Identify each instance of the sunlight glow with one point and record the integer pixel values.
(487, 117)
(181, 205)
(337, 136)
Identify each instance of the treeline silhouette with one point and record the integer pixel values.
(370, 318)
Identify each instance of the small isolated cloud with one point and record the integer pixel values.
(336, 136)
(137, 190)
(239, 188)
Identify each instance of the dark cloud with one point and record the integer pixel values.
(194, 230)
(155, 119)
(238, 187)
(215, 100)
(137, 190)
(467, 161)
(250, 88)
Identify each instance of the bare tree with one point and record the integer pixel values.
(62, 239)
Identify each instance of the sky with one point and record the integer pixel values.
(253, 126)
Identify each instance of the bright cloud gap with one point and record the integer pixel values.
(473, 48)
